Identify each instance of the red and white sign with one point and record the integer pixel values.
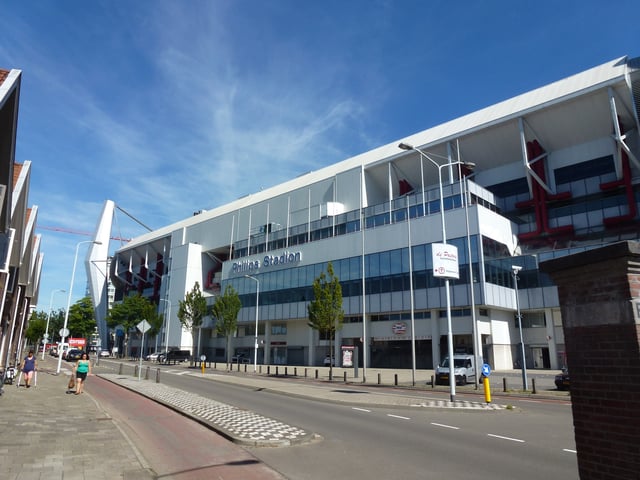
(77, 343)
(445, 260)
(399, 328)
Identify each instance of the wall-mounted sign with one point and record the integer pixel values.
(399, 328)
(445, 260)
(253, 265)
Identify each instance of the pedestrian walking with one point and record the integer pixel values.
(83, 368)
(29, 366)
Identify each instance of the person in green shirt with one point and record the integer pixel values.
(83, 368)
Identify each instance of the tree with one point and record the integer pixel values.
(36, 327)
(192, 311)
(325, 310)
(82, 320)
(130, 312)
(225, 310)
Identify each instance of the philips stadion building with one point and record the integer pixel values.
(548, 173)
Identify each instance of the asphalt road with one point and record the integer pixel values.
(533, 441)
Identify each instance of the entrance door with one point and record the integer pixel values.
(541, 357)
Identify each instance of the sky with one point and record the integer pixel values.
(168, 107)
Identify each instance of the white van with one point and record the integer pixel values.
(464, 370)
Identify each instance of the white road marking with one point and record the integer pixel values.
(398, 416)
(569, 450)
(505, 438)
(445, 426)
(361, 409)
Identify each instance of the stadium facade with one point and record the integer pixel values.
(548, 173)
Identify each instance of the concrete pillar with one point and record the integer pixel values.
(599, 292)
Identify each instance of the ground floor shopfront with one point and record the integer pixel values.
(390, 343)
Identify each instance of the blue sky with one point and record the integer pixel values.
(167, 107)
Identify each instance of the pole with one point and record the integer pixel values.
(168, 320)
(66, 313)
(46, 334)
(452, 375)
(413, 321)
(255, 344)
(515, 270)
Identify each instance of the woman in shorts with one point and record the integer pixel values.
(83, 368)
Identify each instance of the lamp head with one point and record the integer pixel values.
(516, 269)
(405, 146)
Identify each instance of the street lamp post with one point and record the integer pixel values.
(167, 317)
(255, 353)
(66, 313)
(452, 377)
(515, 269)
(46, 333)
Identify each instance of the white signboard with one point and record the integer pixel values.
(143, 326)
(445, 261)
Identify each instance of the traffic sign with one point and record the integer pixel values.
(486, 369)
(64, 332)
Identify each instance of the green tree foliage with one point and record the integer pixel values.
(132, 311)
(225, 310)
(192, 310)
(82, 320)
(36, 328)
(325, 310)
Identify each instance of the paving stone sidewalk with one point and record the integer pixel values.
(47, 434)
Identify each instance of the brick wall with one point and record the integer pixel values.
(599, 294)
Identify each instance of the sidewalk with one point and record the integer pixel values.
(48, 434)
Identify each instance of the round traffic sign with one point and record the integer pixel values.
(203, 358)
(64, 332)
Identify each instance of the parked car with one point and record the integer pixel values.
(176, 356)
(463, 369)
(240, 358)
(329, 361)
(104, 353)
(153, 357)
(562, 380)
(73, 354)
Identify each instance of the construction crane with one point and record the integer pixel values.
(77, 232)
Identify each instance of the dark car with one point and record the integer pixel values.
(240, 358)
(174, 356)
(562, 380)
(73, 354)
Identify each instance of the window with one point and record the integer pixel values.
(279, 329)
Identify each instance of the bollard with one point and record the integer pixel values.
(120, 370)
(316, 373)
(157, 375)
(305, 373)
(345, 377)
(395, 379)
(286, 371)
(276, 370)
(268, 369)
(245, 368)
(433, 382)
(504, 384)
(533, 385)
(260, 369)
(487, 389)
(379, 378)
(146, 373)
(135, 371)
(295, 371)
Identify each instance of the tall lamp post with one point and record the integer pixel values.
(65, 332)
(46, 333)
(515, 269)
(167, 317)
(406, 146)
(255, 352)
